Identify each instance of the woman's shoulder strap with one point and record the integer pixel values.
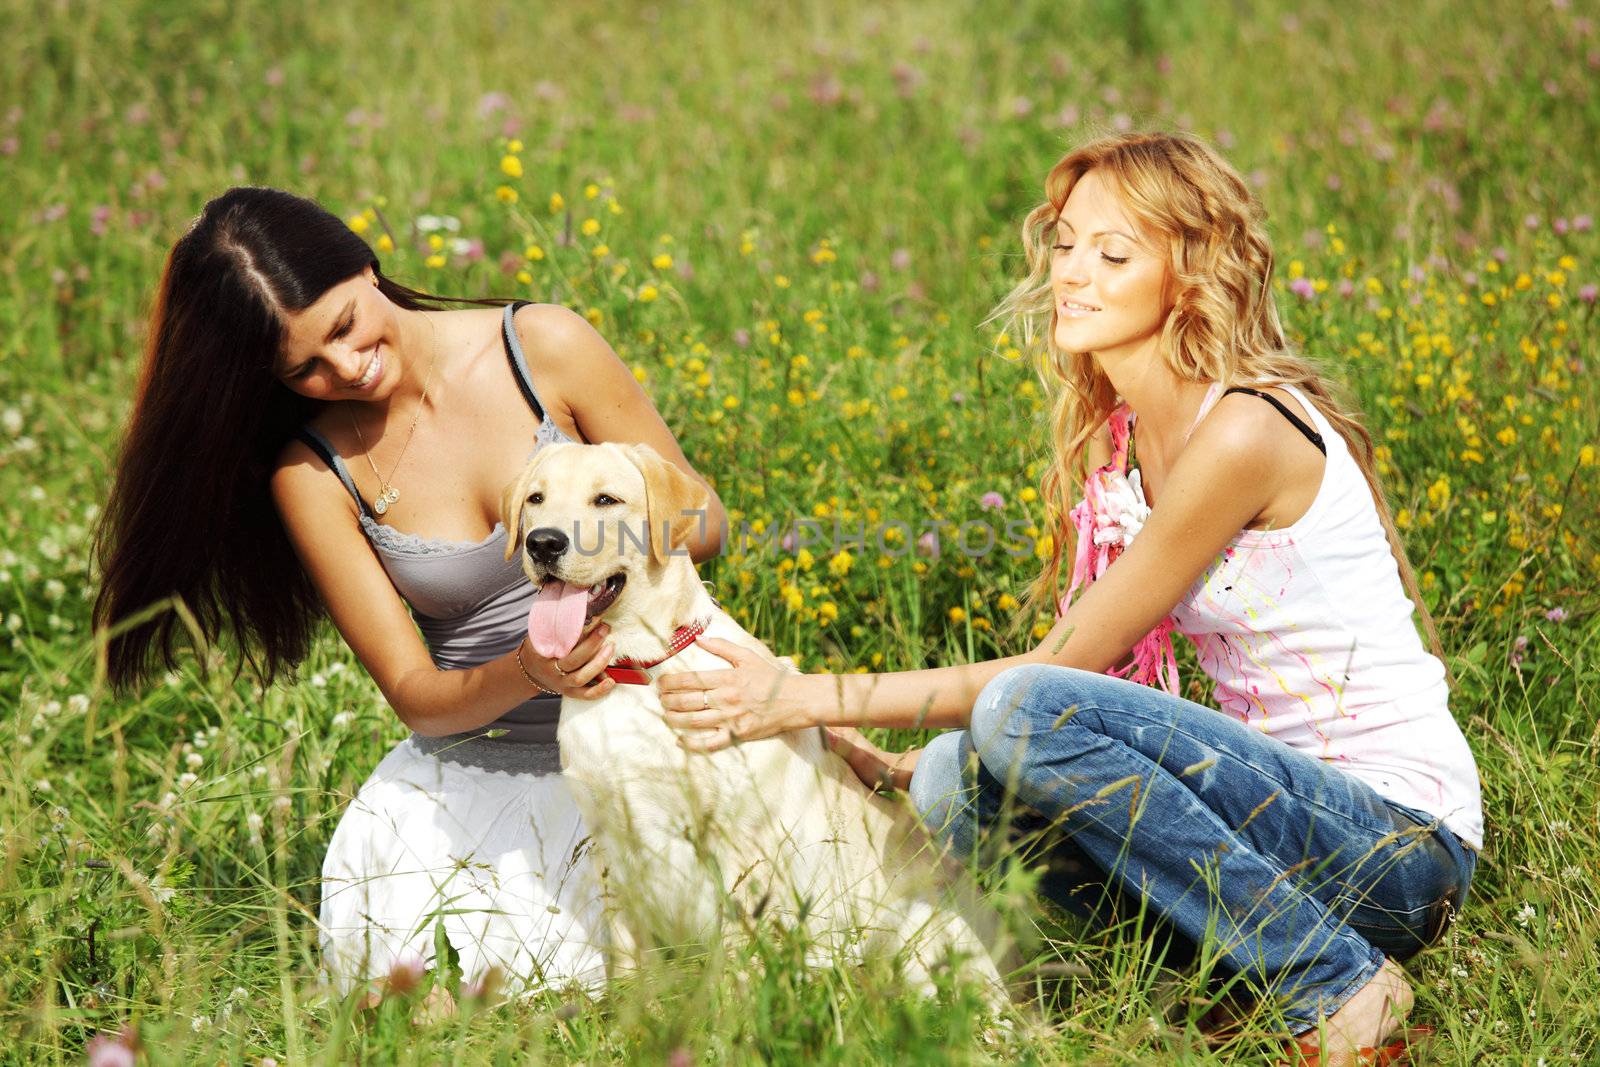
(1312, 435)
(519, 360)
(330, 455)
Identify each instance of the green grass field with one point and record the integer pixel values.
(790, 220)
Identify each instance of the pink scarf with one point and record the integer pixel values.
(1111, 512)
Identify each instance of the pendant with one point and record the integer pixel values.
(380, 505)
(387, 496)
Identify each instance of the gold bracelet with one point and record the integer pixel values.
(531, 679)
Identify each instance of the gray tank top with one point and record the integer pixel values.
(470, 603)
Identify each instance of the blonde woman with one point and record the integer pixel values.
(1323, 820)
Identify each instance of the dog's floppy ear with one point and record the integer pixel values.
(675, 503)
(511, 502)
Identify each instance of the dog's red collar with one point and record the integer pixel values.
(632, 671)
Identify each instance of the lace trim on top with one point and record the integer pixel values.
(401, 543)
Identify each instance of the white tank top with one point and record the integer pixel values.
(1307, 633)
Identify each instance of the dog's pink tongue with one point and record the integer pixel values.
(556, 619)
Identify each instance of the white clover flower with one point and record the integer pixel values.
(318, 681)
(78, 703)
(187, 779)
(1525, 916)
(161, 890)
(258, 771)
(254, 822)
(429, 223)
(51, 707)
(42, 786)
(200, 1024)
(194, 760)
(23, 446)
(11, 419)
(54, 589)
(282, 803)
(343, 719)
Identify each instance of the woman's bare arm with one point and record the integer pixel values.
(597, 391)
(1222, 480)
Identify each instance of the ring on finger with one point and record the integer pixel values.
(557, 665)
(705, 694)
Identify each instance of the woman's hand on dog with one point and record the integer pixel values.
(747, 702)
(878, 770)
(574, 675)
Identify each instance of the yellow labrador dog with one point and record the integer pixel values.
(691, 842)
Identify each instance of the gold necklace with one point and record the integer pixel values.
(387, 493)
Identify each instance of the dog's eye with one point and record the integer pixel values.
(605, 500)
(536, 498)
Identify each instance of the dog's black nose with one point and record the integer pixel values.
(546, 544)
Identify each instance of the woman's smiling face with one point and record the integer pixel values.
(342, 347)
(1108, 275)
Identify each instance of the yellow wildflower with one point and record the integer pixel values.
(511, 166)
(958, 614)
(505, 194)
(533, 253)
(385, 243)
(557, 202)
(662, 262)
(1439, 493)
(435, 261)
(647, 293)
(358, 223)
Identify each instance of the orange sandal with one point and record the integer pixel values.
(1307, 1052)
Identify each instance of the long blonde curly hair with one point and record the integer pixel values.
(1223, 325)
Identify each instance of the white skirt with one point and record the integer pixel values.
(500, 859)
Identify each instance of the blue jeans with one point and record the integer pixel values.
(1298, 875)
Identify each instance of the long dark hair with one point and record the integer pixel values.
(190, 515)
